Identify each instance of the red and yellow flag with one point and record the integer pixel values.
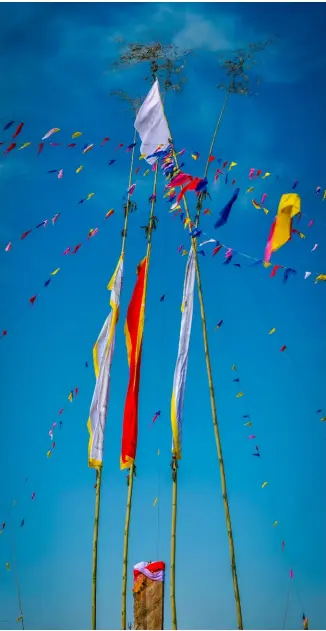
(134, 327)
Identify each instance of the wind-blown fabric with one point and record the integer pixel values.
(155, 571)
(280, 232)
(225, 212)
(180, 373)
(151, 124)
(134, 327)
(102, 356)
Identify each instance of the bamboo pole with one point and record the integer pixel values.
(211, 149)
(125, 226)
(125, 548)
(132, 467)
(215, 418)
(99, 469)
(21, 616)
(174, 467)
(95, 542)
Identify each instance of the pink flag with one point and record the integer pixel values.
(66, 251)
(60, 174)
(251, 173)
(264, 195)
(131, 189)
(291, 573)
(8, 247)
(310, 223)
(55, 218)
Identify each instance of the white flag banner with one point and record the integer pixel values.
(103, 355)
(151, 124)
(180, 373)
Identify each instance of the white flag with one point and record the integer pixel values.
(103, 355)
(151, 124)
(180, 373)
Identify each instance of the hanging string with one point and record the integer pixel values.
(21, 615)
(287, 605)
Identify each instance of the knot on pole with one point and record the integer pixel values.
(174, 467)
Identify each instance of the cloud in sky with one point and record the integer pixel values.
(200, 32)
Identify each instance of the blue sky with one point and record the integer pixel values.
(56, 71)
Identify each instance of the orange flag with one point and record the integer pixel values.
(134, 327)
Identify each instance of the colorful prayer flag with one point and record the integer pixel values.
(102, 355)
(151, 124)
(280, 232)
(134, 327)
(180, 373)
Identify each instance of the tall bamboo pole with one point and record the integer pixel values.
(150, 226)
(95, 542)
(99, 469)
(215, 423)
(210, 153)
(16, 574)
(174, 467)
(125, 227)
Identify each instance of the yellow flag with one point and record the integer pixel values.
(76, 134)
(264, 484)
(8, 566)
(266, 175)
(187, 222)
(249, 424)
(19, 619)
(26, 144)
(234, 367)
(79, 169)
(272, 331)
(320, 277)
(70, 397)
(240, 394)
(233, 164)
(158, 452)
(90, 195)
(184, 252)
(146, 172)
(49, 453)
(155, 501)
(323, 419)
(142, 156)
(265, 211)
(324, 196)
(289, 207)
(249, 190)
(266, 264)
(275, 523)
(55, 271)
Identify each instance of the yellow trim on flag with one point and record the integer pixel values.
(175, 430)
